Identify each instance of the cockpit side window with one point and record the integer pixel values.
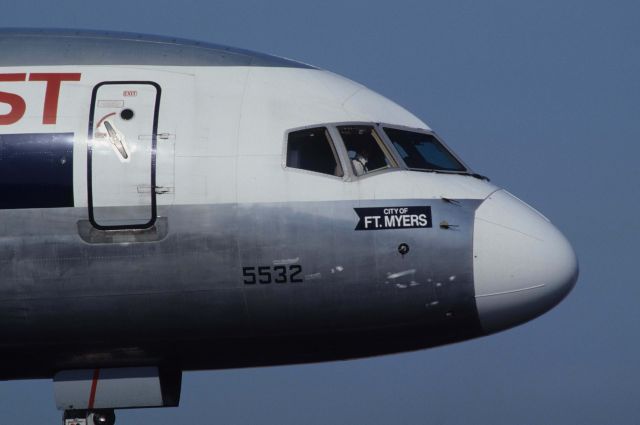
(366, 151)
(312, 149)
(422, 151)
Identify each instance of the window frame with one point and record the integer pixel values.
(383, 142)
(432, 133)
(340, 150)
(334, 148)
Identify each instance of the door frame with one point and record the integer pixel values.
(154, 134)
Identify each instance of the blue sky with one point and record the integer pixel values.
(544, 98)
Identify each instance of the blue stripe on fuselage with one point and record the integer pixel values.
(36, 170)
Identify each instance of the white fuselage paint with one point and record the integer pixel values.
(227, 130)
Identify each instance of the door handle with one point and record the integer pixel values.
(115, 139)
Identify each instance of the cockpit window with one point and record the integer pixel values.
(366, 150)
(312, 149)
(422, 151)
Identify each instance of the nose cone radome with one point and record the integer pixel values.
(522, 265)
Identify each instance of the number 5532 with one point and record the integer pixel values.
(272, 274)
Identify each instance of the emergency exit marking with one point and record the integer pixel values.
(130, 93)
(110, 103)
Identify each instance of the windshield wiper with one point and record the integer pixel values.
(476, 175)
(464, 173)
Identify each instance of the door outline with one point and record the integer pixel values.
(154, 134)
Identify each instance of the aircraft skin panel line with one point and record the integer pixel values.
(172, 205)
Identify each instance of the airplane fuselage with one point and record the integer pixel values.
(151, 215)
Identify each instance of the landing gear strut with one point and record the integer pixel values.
(89, 417)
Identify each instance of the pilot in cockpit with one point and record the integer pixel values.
(359, 161)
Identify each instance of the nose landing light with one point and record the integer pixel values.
(523, 266)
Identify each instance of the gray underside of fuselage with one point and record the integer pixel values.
(86, 297)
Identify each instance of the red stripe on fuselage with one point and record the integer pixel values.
(94, 387)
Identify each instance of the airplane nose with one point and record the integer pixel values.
(522, 265)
